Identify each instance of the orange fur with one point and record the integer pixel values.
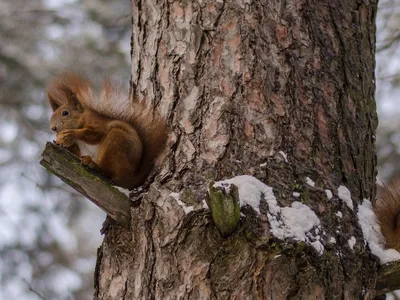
(118, 137)
(387, 210)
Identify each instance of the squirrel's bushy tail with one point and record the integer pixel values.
(152, 130)
(111, 101)
(150, 126)
(387, 211)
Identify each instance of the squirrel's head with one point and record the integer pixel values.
(65, 93)
(67, 109)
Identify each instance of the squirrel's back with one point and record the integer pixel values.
(111, 101)
(387, 211)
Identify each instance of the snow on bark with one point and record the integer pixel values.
(297, 222)
(372, 233)
(345, 195)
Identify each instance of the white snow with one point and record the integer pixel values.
(328, 194)
(318, 246)
(175, 196)
(204, 204)
(295, 194)
(309, 181)
(122, 190)
(294, 222)
(187, 209)
(372, 233)
(263, 165)
(345, 195)
(250, 189)
(332, 240)
(283, 155)
(339, 214)
(352, 242)
(298, 219)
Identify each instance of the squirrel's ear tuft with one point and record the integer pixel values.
(69, 88)
(71, 96)
(55, 96)
(53, 102)
(75, 102)
(58, 94)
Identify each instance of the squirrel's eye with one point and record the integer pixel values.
(65, 113)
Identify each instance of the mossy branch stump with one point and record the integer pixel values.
(225, 208)
(101, 192)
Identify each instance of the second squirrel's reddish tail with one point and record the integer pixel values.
(387, 211)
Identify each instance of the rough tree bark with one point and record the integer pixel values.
(281, 90)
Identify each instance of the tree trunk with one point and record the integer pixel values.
(280, 90)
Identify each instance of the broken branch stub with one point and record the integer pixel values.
(101, 192)
(225, 208)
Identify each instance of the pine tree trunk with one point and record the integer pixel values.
(280, 90)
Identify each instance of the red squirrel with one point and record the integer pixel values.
(387, 211)
(110, 134)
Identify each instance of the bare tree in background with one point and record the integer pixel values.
(49, 235)
(283, 91)
(388, 88)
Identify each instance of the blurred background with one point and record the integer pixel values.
(48, 234)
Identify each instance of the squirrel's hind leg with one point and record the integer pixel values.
(119, 154)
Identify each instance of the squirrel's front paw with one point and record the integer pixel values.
(64, 138)
(87, 161)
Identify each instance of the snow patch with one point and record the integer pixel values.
(328, 194)
(372, 233)
(250, 190)
(296, 222)
(295, 194)
(345, 195)
(309, 181)
(339, 214)
(352, 242)
(122, 190)
(263, 165)
(332, 240)
(204, 204)
(283, 155)
(186, 208)
(318, 246)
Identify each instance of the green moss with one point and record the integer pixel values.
(225, 208)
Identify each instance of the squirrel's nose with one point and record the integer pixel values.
(54, 128)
